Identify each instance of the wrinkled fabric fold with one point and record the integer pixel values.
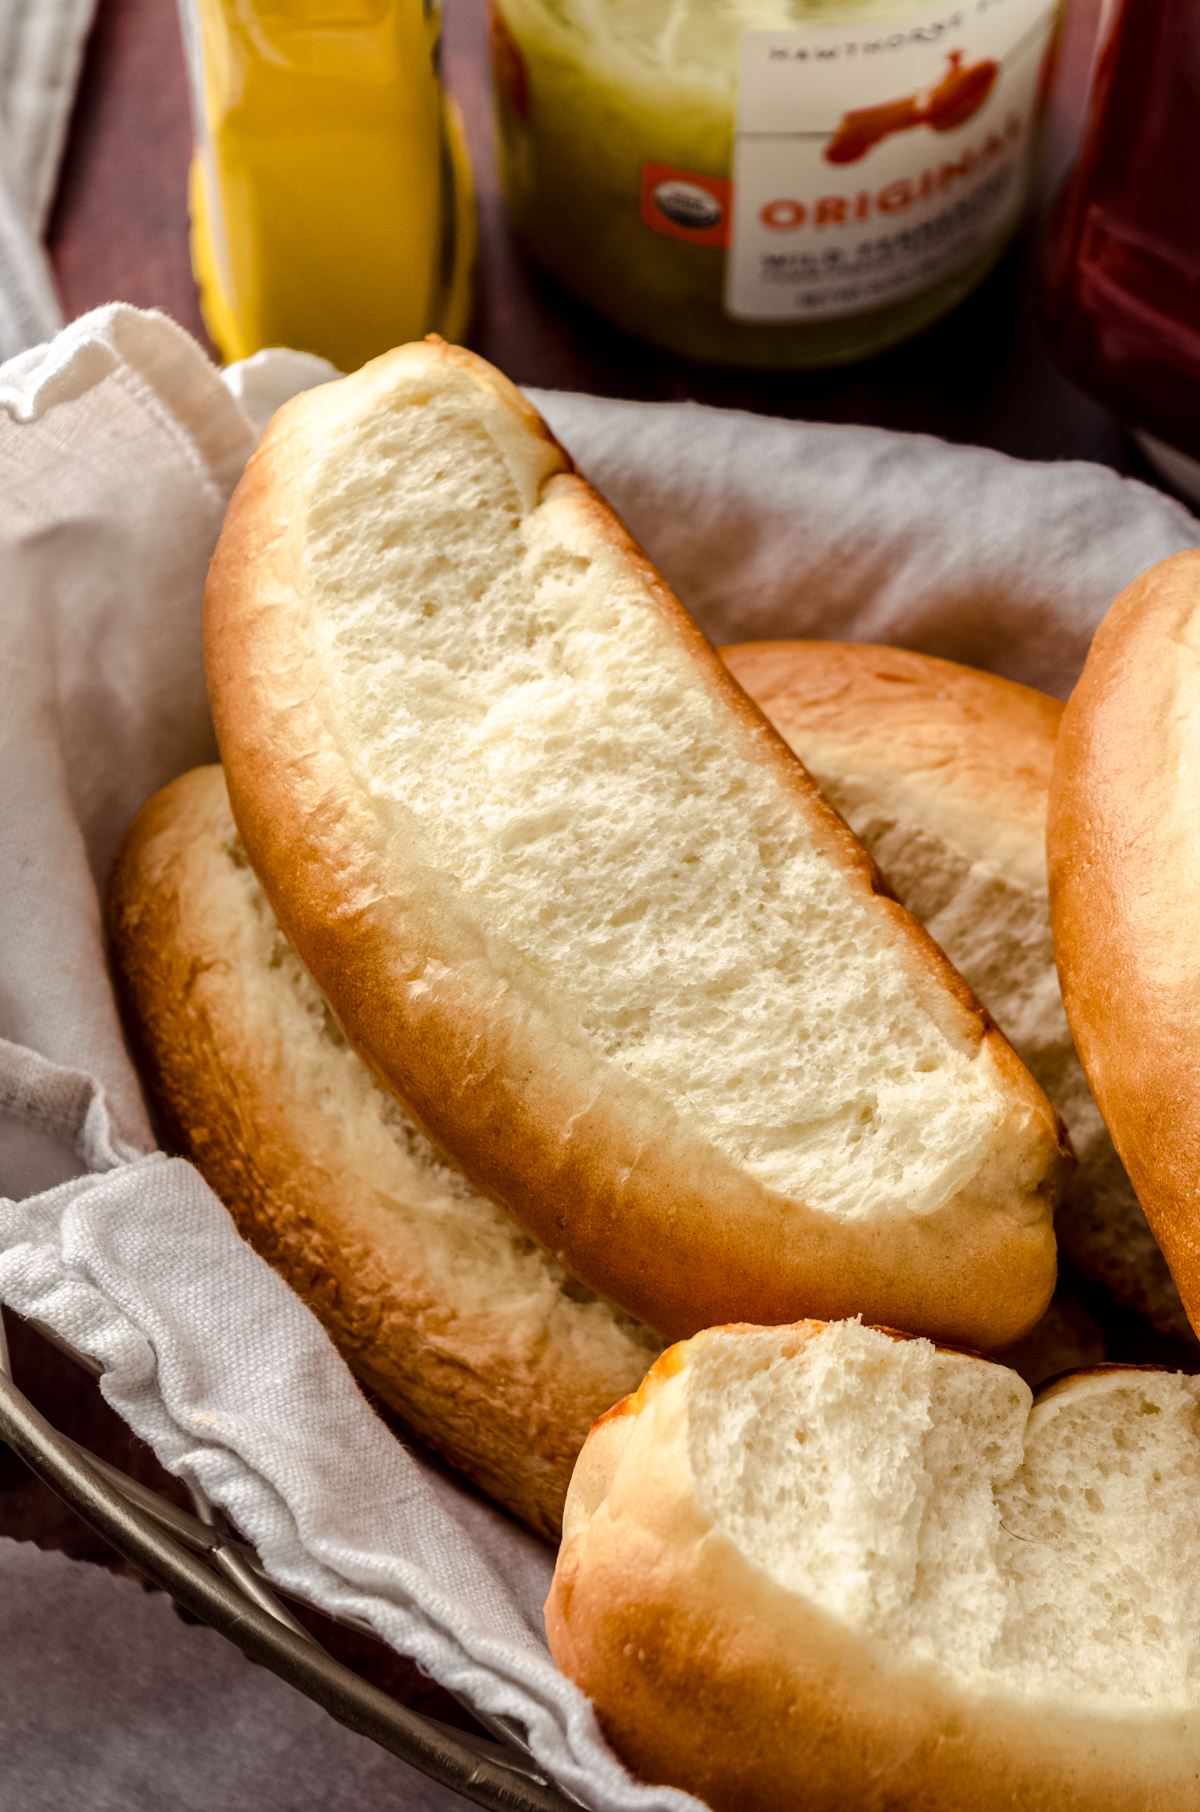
(41, 54)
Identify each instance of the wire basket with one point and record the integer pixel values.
(219, 1579)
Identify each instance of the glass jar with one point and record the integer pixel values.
(769, 182)
(331, 200)
(1121, 295)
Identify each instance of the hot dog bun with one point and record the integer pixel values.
(944, 772)
(491, 1354)
(577, 904)
(1123, 837)
(834, 1568)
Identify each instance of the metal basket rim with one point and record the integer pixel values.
(451, 1757)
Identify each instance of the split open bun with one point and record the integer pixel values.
(579, 906)
(1124, 848)
(944, 773)
(489, 1351)
(831, 1567)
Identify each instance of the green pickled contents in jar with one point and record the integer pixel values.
(769, 183)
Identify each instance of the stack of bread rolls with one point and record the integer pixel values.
(579, 906)
(530, 1006)
(444, 1309)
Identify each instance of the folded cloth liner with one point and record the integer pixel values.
(41, 51)
(119, 446)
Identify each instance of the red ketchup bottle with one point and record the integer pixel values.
(1121, 289)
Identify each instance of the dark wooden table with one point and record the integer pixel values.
(119, 232)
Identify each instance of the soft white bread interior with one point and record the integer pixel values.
(1123, 837)
(490, 1352)
(579, 906)
(831, 1567)
(944, 772)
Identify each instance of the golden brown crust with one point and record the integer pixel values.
(708, 1676)
(1123, 832)
(697, 1673)
(506, 1396)
(595, 1165)
(989, 739)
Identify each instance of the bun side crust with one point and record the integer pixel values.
(1123, 834)
(944, 772)
(969, 739)
(594, 1163)
(485, 1357)
(707, 1675)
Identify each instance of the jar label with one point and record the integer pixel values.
(870, 161)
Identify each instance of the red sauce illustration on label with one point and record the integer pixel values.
(960, 94)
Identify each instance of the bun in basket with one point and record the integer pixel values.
(836, 1568)
(1123, 837)
(944, 772)
(571, 897)
(491, 1354)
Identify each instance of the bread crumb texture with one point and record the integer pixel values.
(1045, 1550)
(416, 1214)
(518, 714)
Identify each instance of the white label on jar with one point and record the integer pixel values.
(872, 160)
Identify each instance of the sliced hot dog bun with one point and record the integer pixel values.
(944, 772)
(487, 1349)
(579, 906)
(834, 1568)
(1123, 842)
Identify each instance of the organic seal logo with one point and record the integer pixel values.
(688, 205)
(685, 204)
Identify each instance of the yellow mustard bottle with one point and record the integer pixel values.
(331, 200)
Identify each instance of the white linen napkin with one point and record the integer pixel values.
(41, 51)
(119, 446)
